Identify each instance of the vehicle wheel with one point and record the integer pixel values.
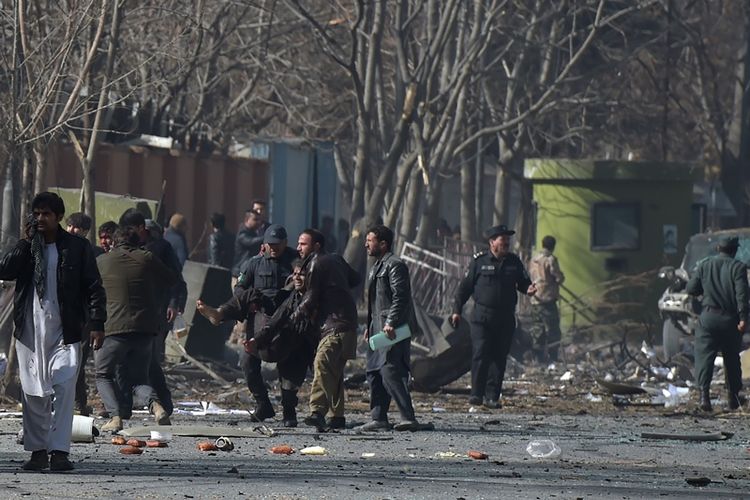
(671, 339)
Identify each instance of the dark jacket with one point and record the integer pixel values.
(722, 280)
(246, 245)
(132, 278)
(221, 249)
(267, 275)
(174, 296)
(328, 300)
(79, 286)
(494, 283)
(179, 244)
(279, 337)
(389, 303)
(389, 294)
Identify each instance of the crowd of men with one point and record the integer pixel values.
(118, 300)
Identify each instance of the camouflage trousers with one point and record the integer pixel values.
(546, 331)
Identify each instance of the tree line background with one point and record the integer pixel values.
(413, 92)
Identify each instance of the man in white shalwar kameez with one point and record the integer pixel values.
(56, 277)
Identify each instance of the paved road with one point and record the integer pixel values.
(602, 457)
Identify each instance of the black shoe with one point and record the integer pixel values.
(263, 411)
(58, 462)
(38, 461)
(475, 400)
(290, 417)
(705, 401)
(315, 420)
(336, 423)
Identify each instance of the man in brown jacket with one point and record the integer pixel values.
(132, 278)
(545, 272)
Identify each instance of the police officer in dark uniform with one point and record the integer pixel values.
(493, 279)
(722, 281)
(267, 273)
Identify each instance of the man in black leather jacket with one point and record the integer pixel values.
(57, 282)
(389, 306)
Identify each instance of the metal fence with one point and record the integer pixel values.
(435, 276)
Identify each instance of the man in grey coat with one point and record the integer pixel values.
(389, 306)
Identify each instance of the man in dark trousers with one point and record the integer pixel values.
(328, 304)
(722, 281)
(389, 306)
(279, 341)
(132, 278)
(268, 274)
(171, 301)
(493, 279)
(58, 288)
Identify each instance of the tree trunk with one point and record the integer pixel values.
(735, 162)
(40, 164)
(428, 221)
(468, 196)
(411, 206)
(502, 203)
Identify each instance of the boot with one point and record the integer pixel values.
(263, 410)
(114, 425)
(289, 403)
(59, 462)
(336, 423)
(705, 400)
(38, 461)
(161, 417)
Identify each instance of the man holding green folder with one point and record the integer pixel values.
(389, 308)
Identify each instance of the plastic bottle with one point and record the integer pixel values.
(543, 448)
(380, 340)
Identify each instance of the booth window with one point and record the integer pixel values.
(616, 226)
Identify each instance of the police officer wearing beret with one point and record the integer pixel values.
(722, 281)
(267, 273)
(493, 279)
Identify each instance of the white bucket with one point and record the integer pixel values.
(83, 429)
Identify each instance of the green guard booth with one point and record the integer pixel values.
(612, 219)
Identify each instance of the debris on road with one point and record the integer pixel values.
(313, 450)
(131, 450)
(543, 448)
(119, 441)
(283, 449)
(478, 455)
(447, 454)
(699, 481)
(198, 431)
(618, 388)
(136, 443)
(714, 436)
(207, 446)
(224, 443)
(153, 443)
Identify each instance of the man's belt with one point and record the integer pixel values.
(718, 310)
